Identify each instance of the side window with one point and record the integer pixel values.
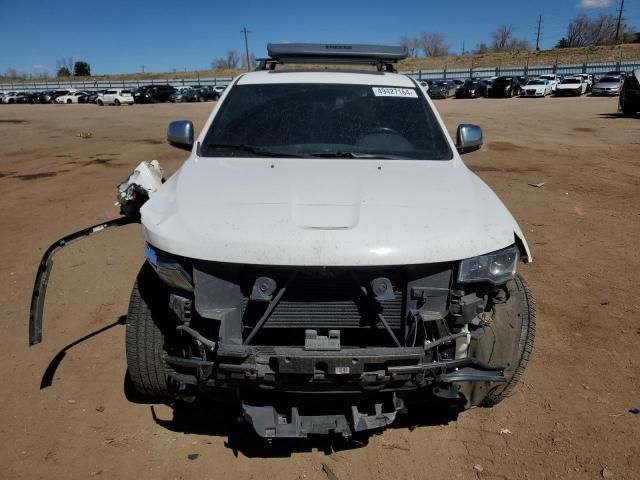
(111, 92)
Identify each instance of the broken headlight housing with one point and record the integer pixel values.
(169, 268)
(497, 267)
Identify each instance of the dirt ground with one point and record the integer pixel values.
(569, 419)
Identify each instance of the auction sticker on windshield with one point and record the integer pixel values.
(394, 92)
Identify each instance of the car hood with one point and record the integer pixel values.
(326, 212)
(535, 87)
(606, 84)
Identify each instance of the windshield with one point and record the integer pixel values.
(326, 120)
(537, 82)
(570, 80)
(609, 79)
(471, 83)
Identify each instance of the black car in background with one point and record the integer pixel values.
(45, 97)
(25, 97)
(92, 97)
(202, 94)
(504, 87)
(629, 101)
(153, 93)
(441, 88)
(471, 88)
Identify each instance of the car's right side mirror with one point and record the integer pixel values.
(180, 134)
(468, 138)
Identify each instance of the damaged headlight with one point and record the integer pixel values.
(169, 269)
(497, 267)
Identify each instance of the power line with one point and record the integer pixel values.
(246, 45)
(538, 34)
(619, 21)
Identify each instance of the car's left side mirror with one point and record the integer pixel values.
(180, 134)
(468, 138)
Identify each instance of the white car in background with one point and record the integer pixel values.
(538, 87)
(587, 78)
(71, 97)
(554, 80)
(571, 86)
(116, 96)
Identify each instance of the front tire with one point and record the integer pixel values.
(148, 324)
(507, 340)
(116, 102)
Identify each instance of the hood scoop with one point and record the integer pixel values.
(326, 203)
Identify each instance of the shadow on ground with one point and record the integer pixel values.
(49, 373)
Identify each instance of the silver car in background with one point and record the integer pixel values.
(607, 86)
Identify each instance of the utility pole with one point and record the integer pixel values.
(538, 34)
(142, 67)
(246, 46)
(619, 21)
(462, 47)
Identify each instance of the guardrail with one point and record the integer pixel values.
(561, 69)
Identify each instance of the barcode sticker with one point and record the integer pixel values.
(395, 92)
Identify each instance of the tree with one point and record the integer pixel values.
(11, 73)
(501, 38)
(219, 64)
(81, 69)
(63, 72)
(252, 60)
(433, 44)
(232, 58)
(411, 44)
(601, 30)
(562, 43)
(66, 64)
(482, 48)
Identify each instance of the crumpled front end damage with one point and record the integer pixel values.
(332, 350)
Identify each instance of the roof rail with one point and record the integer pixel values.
(381, 56)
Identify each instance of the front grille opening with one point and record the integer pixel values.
(334, 302)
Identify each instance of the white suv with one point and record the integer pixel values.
(115, 97)
(323, 256)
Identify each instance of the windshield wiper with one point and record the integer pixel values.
(253, 149)
(346, 154)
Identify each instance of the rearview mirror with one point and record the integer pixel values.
(180, 134)
(468, 138)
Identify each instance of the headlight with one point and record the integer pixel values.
(169, 269)
(497, 267)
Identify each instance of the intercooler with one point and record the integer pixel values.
(331, 303)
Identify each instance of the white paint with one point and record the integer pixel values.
(326, 212)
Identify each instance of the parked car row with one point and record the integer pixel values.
(118, 96)
(527, 86)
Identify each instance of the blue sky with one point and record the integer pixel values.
(118, 37)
